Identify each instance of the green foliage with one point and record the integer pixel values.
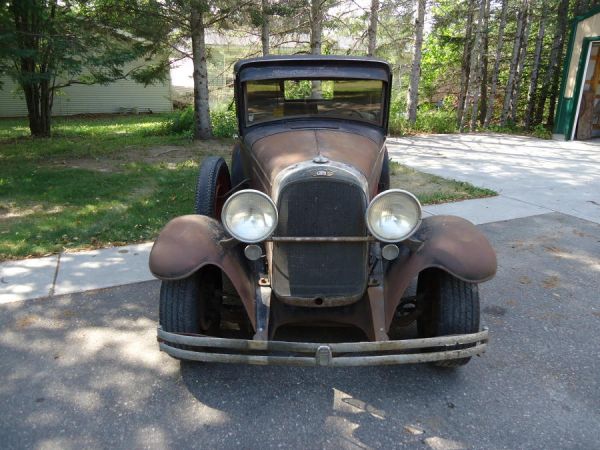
(540, 131)
(223, 122)
(430, 119)
(47, 45)
(297, 89)
(181, 122)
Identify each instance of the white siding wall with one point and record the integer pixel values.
(80, 99)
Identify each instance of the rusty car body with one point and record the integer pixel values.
(305, 234)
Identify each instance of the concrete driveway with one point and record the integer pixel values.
(531, 175)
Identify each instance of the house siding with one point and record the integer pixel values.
(120, 96)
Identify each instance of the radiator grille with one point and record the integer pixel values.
(320, 207)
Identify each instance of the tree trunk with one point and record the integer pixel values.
(316, 31)
(535, 67)
(316, 26)
(372, 31)
(465, 64)
(264, 31)
(202, 129)
(484, 62)
(514, 103)
(33, 72)
(490, 105)
(510, 84)
(555, 57)
(412, 95)
(476, 66)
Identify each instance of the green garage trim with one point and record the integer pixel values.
(567, 106)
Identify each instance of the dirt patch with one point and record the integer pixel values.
(163, 154)
(525, 280)
(551, 282)
(10, 211)
(25, 322)
(416, 182)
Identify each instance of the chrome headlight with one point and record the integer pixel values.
(393, 215)
(249, 216)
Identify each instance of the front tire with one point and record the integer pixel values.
(192, 304)
(451, 306)
(213, 187)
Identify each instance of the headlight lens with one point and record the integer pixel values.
(393, 215)
(249, 216)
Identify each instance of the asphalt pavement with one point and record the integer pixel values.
(83, 370)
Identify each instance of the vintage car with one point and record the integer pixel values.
(300, 253)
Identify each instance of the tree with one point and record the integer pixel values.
(484, 62)
(537, 57)
(465, 63)
(412, 96)
(496, 70)
(520, 68)
(372, 30)
(551, 75)
(476, 69)
(514, 63)
(47, 45)
(264, 30)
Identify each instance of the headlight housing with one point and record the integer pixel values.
(393, 215)
(249, 216)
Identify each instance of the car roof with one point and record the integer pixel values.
(300, 66)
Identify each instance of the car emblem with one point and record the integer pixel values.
(323, 173)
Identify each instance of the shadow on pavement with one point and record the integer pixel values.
(84, 371)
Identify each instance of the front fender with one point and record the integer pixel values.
(188, 243)
(450, 243)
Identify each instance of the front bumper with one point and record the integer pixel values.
(405, 351)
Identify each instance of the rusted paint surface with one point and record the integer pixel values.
(190, 242)
(449, 243)
(273, 153)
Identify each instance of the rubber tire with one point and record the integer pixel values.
(213, 184)
(452, 307)
(237, 169)
(185, 304)
(384, 178)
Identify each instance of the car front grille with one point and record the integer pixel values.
(320, 207)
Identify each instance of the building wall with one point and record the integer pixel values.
(120, 96)
(586, 28)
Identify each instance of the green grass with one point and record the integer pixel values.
(85, 137)
(97, 183)
(432, 189)
(55, 209)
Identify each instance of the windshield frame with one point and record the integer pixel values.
(315, 67)
(382, 113)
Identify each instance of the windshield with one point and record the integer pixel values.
(269, 100)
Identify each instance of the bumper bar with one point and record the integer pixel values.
(213, 349)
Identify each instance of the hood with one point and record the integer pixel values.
(275, 152)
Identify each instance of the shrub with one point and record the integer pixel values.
(181, 122)
(222, 120)
(433, 121)
(540, 131)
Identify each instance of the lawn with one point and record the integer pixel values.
(102, 181)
